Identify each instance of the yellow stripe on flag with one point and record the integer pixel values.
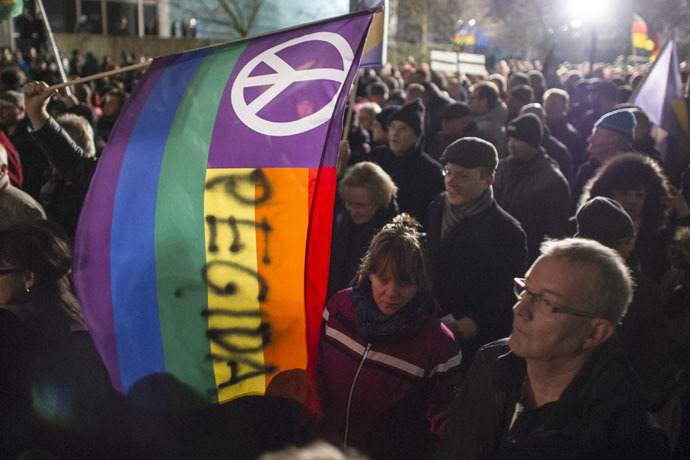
(376, 29)
(681, 109)
(640, 40)
(232, 265)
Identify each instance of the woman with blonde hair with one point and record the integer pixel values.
(368, 195)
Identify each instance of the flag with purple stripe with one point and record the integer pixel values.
(657, 93)
(203, 244)
(377, 40)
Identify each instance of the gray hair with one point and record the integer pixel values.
(79, 130)
(372, 177)
(319, 450)
(565, 97)
(613, 290)
(372, 107)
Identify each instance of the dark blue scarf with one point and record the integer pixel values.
(373, 325)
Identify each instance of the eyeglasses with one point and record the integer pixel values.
(7, 271)
(461, 176)
(520, 290)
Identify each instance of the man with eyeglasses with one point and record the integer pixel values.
(474, 248)
(560, 386)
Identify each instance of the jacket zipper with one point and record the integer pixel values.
(349, 398)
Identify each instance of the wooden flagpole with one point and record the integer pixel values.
(129, 68)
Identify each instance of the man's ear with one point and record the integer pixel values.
(599, 332)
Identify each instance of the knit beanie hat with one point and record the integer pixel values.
(621, 121)
(385, 113)
(378, 89)
(604, 220)
(471, 152)
(455, 110)
(526, 128)
(412, 114)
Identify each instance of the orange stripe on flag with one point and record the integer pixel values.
(280, 258)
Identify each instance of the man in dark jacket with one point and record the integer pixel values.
(15, 124)
(474, 248)
(553, 147)
(529, 185)
(560, 387)
(416, 174)
(556, 108)
(456, 122)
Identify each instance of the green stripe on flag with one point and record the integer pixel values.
(180, 237)
(10, 8)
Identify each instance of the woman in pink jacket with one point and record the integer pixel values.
(387, 366)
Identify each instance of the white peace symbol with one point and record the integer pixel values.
(286, 75)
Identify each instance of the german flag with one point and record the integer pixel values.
(643, 38)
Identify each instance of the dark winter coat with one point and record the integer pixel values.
(63, 195)
(33, 160)
(537, 195)
(400, 389)
(559, 152)
(566, 133)
(600, 414)
(417, 175)
(473, 267)
(349, 243)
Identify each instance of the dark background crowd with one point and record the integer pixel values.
(559, 145)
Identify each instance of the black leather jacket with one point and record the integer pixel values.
(600, 414)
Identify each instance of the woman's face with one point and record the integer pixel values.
(390, 295)
(359, 202)
(366, 119)
(12, 285)
(632, 201)
(379, 134)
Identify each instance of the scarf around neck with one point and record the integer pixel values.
(452, 214)
(373, 325)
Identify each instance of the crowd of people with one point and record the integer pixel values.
(509, 278)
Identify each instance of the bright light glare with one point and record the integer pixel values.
(593, 9)
(472, 22)
(576, 23)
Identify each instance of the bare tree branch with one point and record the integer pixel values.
(238, 16)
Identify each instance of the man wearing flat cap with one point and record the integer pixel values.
(417, 175)
(474, 248)
(530, 186)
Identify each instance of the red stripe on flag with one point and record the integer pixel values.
(322, 181)
(639, 28)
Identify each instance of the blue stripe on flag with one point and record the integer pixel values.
(132, 250)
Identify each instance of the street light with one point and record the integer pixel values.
(592, 12)
(588, 9)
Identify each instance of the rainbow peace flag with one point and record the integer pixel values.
(203, 244)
